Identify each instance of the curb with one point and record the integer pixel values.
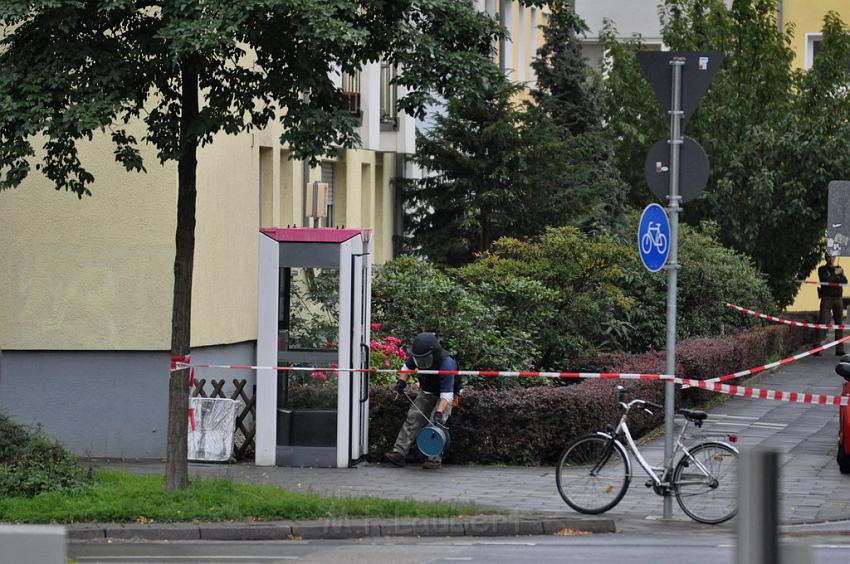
(480, 526)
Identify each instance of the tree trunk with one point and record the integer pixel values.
(176, 464)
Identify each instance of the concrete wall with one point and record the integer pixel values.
(103, 403)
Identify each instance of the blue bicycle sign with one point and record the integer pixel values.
(653, 237)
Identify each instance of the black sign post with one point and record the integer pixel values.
(679, 80)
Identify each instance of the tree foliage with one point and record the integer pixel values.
(484, 171)
(774, 135)
(563, 88)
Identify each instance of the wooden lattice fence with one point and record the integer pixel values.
(244, 424)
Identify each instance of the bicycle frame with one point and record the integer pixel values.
(622, 430)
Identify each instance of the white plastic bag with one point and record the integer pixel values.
(215, 422)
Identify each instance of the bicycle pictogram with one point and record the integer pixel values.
(653, 238)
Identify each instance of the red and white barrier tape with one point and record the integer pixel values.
(742, 391)
(760, 393)
(770, 365)
(822, 283)
(840, 327)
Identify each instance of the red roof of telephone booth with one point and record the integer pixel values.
(313, 234)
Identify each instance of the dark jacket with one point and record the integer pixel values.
(827, 274)
(436, 383)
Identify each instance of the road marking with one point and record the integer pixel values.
(457, 558)
(168, 558)
(830, 546)
(757, 424)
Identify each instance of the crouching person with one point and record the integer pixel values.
(436, 392)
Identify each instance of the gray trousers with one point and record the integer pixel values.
(832, 307)
(427, 403)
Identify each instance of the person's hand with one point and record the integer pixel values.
(839, 270)
(400, 385)
(438, 418)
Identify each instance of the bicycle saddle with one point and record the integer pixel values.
(693, 414)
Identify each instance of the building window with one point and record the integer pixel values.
(389, 96)
(351, 91)
(814, 43)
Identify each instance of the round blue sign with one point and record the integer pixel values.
(653, 237)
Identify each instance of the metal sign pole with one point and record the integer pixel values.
(672, 269)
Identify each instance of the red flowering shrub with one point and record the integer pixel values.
(385, 354)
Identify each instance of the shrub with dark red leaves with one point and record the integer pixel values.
(516, 425)
(532, 425)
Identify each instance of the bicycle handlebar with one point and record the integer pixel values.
(640, 402)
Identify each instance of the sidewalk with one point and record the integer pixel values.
(811, 487)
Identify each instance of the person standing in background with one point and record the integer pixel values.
(831, 297)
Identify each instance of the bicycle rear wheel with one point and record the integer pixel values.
(706, 483)
(592, 474)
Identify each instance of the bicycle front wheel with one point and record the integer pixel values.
(593, 474)
(706, 483)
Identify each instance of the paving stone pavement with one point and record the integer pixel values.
(811, 487)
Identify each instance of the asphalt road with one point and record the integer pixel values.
(667, 548)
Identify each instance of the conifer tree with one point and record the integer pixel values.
(564, 89)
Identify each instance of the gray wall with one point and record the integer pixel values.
(104, 403)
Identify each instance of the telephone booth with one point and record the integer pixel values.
(314, 311)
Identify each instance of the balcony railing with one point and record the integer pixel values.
(351, 92)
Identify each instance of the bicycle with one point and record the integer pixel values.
(594, 471)
(654, 238)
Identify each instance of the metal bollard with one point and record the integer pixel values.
(32, 544)
(758, 513)
(758, 507)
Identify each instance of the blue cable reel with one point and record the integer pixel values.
(432, 440)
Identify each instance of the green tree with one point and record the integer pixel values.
(634, 121)
(190, 69)
(496, 168)
(482, 164)
(774, 135)
(590, 192)
(564, 89)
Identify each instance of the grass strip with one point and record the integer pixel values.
(120, 497)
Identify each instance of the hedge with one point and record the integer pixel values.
(530, 426)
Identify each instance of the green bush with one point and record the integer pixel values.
(13, 439)
(558, 286)
(710, 275)
(410, 296)
(32, 464)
